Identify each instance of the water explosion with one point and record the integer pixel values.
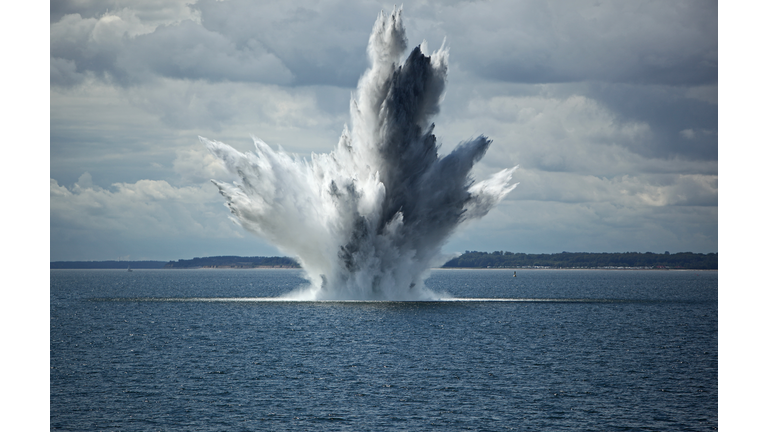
(368, 220)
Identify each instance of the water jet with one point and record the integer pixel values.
(367, 221)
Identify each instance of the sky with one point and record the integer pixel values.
(610, 110)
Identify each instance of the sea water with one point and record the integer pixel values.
(542, 350)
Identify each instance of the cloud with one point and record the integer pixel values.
(64, 72)
(706, 94)
(93, 44)
(112, 132)
(149, 218)
(551, 226)
(301, 43)
(321, 42)
(691, 134)
(688, 190)
(195, 105)
(666, 108)
(571, 134)
(153, 12)
(630, 191)
(611, 41)
(189, 51)
(198, 166)
(121, 48)
(146, 208)
(576, 124)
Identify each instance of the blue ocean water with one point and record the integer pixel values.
(565, 349)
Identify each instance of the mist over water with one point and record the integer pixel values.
(367, 221)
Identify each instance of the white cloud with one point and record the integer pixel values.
(198, 165)
(693, 190)
(120, 47)
(111, 29)
(630, 191)
(229, 111)
(147, 208)
(149, 219)
(551, 226)
(151, 12)
(688, 134)
(189, 51)
(572, 134)
(106, 130)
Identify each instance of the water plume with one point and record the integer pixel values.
(367, 221)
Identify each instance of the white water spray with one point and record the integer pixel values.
(367, 221)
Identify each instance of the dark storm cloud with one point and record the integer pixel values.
(673, 43)
(670, 111)
(682, 120)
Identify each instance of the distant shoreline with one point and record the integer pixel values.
(433, 268)
(573, 268)
(498, 260)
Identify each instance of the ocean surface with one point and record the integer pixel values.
(548, 350)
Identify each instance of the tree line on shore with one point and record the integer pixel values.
(501, 259)
(233, 262)
(469, 259)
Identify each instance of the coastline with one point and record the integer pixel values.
(433, 268)
(572, 268)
